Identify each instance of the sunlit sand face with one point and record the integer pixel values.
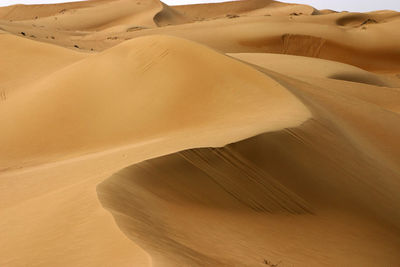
(251, 133)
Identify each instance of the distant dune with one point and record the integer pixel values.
(246, 133)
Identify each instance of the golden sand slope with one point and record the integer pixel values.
(251, 133)
(33, 61)
(88, 113)
(336, 168)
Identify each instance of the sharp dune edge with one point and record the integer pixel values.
(248, 133)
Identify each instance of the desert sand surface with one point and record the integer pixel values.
(246, 133)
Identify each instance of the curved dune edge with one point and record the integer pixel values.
(293, 66)
(230, 105)
(329, 170)
(183, 214)
(316, 178)
(223, 106)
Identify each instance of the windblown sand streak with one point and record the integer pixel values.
(245, 181)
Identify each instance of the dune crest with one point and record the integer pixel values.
(83, 109)
(311, 167)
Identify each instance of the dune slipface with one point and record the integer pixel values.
(246, 133)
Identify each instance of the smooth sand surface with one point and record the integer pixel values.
(248, 133)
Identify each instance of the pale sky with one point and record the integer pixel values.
(339, 5)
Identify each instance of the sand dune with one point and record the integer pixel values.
(294, 66)
(246, 133)
(88, 114)
(33, 61)
(223, 224)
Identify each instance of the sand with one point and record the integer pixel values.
(248, 133)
